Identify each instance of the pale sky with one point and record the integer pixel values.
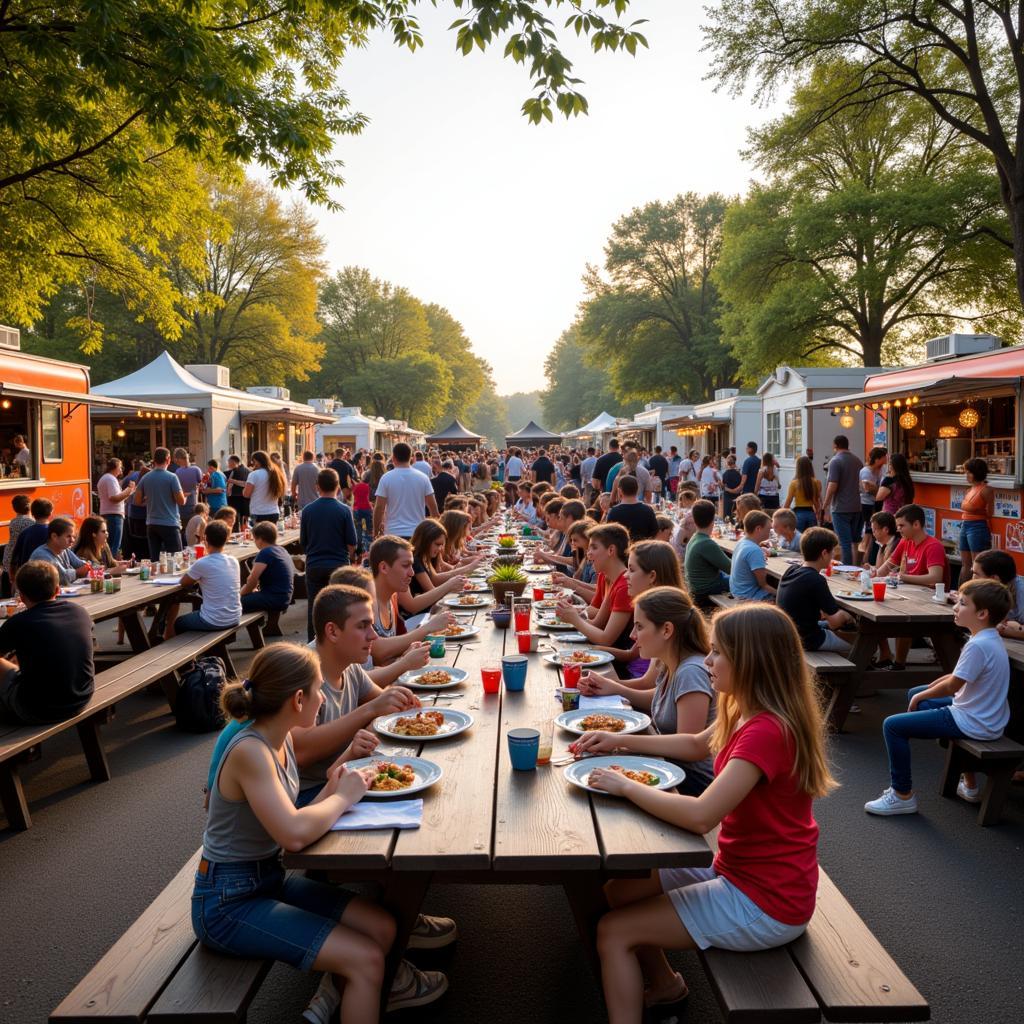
(453, 194)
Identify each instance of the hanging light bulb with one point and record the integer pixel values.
(908, 421)
(846, 420)
(969, 418)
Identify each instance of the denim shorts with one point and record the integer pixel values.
(716, 913)
(254, 909)
(975, 535)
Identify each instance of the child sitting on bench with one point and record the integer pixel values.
(218, 575)
(969, 702)
(768, 741)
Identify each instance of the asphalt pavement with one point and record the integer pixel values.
(944, 896)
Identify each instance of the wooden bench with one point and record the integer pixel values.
(836, 675)
(157, 971)
(837, 970)
(158, 665)
(997, 759)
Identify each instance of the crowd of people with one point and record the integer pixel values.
(631, 538)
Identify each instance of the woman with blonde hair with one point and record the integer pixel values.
(768, 740)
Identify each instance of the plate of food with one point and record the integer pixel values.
(436, 677)
(428, 724)
(466, 601)
(476, 586)
(587, 657)
(400, 777)
(650, 771)
(551, 622)
(858, 596)
(537, 567)
(458, 631)
(622, 721)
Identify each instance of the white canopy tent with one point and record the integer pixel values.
(598, 425)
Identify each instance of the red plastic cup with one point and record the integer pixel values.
(828, 569)
(491, 676)
(522, 621)
(538, 593)
(571, 675)
(878, 589)
(200, 551)
(524, 640)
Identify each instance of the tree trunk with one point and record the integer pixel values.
(871, 347)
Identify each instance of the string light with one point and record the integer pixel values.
(908, 421)
(846, 420)
(948, 432)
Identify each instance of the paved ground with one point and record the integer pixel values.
(945, 896)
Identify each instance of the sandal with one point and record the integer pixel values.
(682, 993)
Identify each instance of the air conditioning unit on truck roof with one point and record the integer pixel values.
(951, 346)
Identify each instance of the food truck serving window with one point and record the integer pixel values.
(52, 435)
(17, 460)
(941, 435)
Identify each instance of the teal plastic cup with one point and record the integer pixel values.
(436, 646)
(513, 671)
(523, 745)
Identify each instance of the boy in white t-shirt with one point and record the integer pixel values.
(220, 578)
(969, 702)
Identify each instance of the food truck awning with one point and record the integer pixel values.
(85, 398)
(695, 422)
(287, 416)
(951, 387)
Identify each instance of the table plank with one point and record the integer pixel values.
(1015, 649)
(541, 822)
(458, 813)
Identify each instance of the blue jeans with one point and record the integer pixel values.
(847, 527)
(253, 909)
(805, 518)
(932, 720)
(115, 528)
(364, 527)
(194, 622)
(975, 536)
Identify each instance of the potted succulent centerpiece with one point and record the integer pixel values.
(505, 580)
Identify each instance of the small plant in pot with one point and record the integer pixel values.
(506, 542)
(507, 579)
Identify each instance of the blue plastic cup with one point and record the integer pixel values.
(523, 745)
(513, 671)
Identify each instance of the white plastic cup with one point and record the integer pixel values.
(940, 592)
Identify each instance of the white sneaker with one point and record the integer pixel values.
(324, 1003)
(413, 987)
(965, 792)
(890, 803)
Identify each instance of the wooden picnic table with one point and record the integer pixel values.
(907, 611)
(483, 822)
(129, 603)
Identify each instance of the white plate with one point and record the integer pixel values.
(603, 657)
(411, 679)
(573, 638)
(555, 624)
(855, 597)
(636, 721)
(477, 586)
(454, 723)
(465, 634)
(132, 572)
(459, 601)
(578, 773)
(426, 772)
(537, 568)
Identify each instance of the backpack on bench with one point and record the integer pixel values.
(197, 708)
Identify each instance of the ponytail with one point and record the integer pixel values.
(277, 672)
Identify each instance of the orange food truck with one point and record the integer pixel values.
(963, 402)
(44, 430)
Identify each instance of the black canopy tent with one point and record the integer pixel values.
(455, 436)
(532, 436)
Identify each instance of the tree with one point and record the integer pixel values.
(488, 416)
(523, 406)
(99, 99)
(872, 227)
(577, 389)
(252, 306)
(653, 317)
(964, 60)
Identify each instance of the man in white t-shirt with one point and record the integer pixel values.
(402, 494)
(219, 576)
(422, 465)
(112, 499)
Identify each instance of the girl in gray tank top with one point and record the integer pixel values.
(243, 903)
